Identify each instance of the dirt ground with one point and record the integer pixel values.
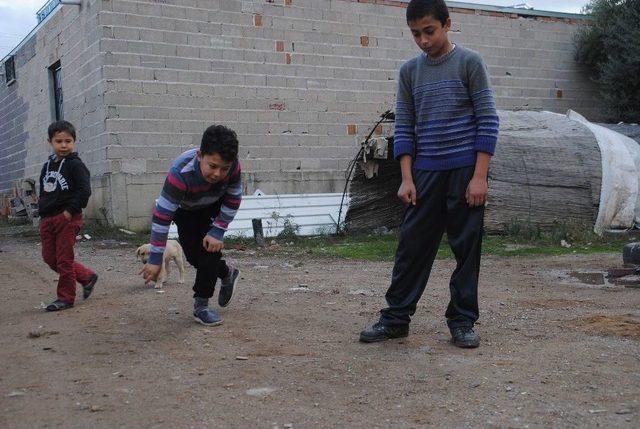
(555, 352)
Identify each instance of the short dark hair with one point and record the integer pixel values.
(221, 140)
(61, 126)
(418, 9)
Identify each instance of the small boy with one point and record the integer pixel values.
(64, 191)
(201, 194)
(446, 131)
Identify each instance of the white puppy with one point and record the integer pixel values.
(173, 252)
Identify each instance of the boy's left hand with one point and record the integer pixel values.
(67, 215)
(211, 244)
(477, 192)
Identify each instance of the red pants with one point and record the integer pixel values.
(58, 238)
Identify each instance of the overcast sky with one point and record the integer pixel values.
(18, 17)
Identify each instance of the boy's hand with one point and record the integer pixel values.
(211, 244)
(477, 192)
(407, 192)
(67, 215)
(150, 272)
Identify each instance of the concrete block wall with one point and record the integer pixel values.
(71, 35)
(301, 81)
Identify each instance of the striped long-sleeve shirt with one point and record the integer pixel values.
(445, 111)
(186, 188)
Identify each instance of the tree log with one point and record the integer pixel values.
(546, 170)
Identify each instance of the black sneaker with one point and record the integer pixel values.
(228, 284)
(88, 288)
(58, 305)
(381, 332)
(464, 337)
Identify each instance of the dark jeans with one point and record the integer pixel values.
(193, 225)
(441, 206)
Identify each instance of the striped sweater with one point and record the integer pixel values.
(445, 111)
(185, 188)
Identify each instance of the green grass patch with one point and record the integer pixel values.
(382, 248)
(100, 232)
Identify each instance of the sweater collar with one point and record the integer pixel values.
(442, 59)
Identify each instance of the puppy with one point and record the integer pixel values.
(173, 252)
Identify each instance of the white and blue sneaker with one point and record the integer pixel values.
(206, 316)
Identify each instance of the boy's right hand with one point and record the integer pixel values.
(150, 272)
(407, 192)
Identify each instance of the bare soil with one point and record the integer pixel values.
(555, 352)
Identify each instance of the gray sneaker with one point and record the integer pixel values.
(227, 286)
(206, 316)
(464, 337)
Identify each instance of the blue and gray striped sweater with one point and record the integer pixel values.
(445, 111)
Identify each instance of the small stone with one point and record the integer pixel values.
(260, 392)
(364, 292)
(623, 411)
(242, 358)
(96, 408)
(15, 393)
(508, 389)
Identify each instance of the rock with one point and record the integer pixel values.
(623, 411)
(15, 393)
(381, 230)
(631, 254)
(96, 408)
(242, 358)
(38, 334)
(260, 392)
(365, 292)
(563, 243)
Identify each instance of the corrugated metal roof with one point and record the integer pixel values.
(312, 214)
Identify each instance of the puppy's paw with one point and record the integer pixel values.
(181, 282)
(157, 286)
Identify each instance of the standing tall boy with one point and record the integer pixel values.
(445, 134)
(65, 188)
(201, 193)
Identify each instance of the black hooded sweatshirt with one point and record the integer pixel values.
(64, 185)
